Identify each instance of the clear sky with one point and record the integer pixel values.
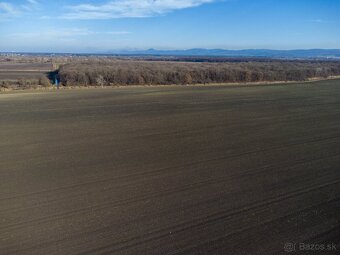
(103, 25)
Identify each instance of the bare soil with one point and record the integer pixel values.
(171, 170)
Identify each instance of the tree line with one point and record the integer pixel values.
(103, 72)
(114, 71)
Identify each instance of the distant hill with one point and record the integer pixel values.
(332, 54)
(309, 53)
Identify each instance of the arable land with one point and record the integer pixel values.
(170, 170)
(23, 74)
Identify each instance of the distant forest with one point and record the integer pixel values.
(108, 72)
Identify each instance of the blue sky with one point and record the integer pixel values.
(104, 25)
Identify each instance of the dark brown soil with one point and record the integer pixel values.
(172, 170)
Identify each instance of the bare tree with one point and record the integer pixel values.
(100, 81)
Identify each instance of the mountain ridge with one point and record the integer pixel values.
(268, 53)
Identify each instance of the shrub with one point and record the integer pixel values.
(44, 81)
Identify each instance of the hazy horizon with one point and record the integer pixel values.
(134, 50)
